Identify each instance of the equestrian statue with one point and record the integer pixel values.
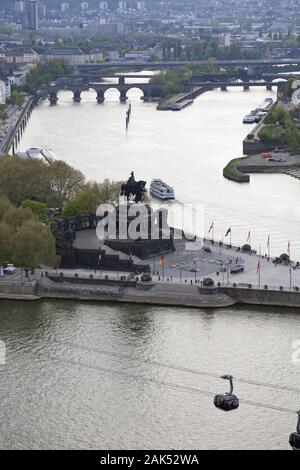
(134, 188)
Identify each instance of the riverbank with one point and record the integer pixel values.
(153, 293)
(14, 126)
(237, 169)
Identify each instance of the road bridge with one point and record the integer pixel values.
(166, 64)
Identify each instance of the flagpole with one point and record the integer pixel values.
(269, 246)
(259, 266)
(230, 237)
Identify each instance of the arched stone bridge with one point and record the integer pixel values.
(100, 88)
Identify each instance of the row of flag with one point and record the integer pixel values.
(211, 228)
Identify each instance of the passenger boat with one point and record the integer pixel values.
(161, 190)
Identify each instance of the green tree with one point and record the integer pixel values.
(5, 205)
(39, 209)
(33, 245)
(15, 217)
(6, 233)
(16, 98)
(65, 182)
(22, 178)
(71, 209)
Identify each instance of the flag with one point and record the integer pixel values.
(211, 227)
(194, 264)
(228, 231)
(99, 259)
(258, 266)
(268, 242)
(161, 262)
(248, 237)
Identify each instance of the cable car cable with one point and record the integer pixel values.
(183, 369)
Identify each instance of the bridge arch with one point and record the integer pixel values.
(135, 92)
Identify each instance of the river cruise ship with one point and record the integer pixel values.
(161, 190)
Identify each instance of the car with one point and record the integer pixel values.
(9, 269)
(207, 249)
(146, 277)
(237, 268)
(266, 155)
(278, 160)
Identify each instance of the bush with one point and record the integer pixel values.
(208, 282)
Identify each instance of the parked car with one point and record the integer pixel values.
(237, 268)
(9, 269)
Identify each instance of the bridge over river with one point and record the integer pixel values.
(78, 84)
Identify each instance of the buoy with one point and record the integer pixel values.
(295, 436)
(228, 401)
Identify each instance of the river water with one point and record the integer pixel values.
(87, 375)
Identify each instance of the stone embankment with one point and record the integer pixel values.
(152, 293)
(179, 102)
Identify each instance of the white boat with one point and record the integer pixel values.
(161, 190)
(43, 153)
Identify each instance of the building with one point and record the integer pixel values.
(138, 55)
(64, 6)
(73, 56)
(2, 92)
(19, 7)
(103, 6)
(122, 6)
(33, 15)
(28, 56)
(140, 6)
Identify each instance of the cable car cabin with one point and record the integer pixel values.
(228, 401)
(295, 436)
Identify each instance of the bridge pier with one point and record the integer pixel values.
(246, 87)
(123, 96)
(100, 96)
(77, 96)
(53, 97)
(269, 87)
(223, 88)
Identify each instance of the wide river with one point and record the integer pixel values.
(87, 375)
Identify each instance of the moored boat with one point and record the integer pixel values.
(161, 190)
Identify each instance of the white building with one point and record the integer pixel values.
(103, 6)
(138, 55)
(122, 6)
(141, 6)
(2, 92)
(64, 6)
(19, 7)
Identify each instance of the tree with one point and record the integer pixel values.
(22, 178)
(70, 209)
(16, 98)
(6, 233)
(65, 182)
(33, 245)
(15, 217)
(5, 205)
(39, 209)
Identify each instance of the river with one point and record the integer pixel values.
(121, 394)
(48, 400)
